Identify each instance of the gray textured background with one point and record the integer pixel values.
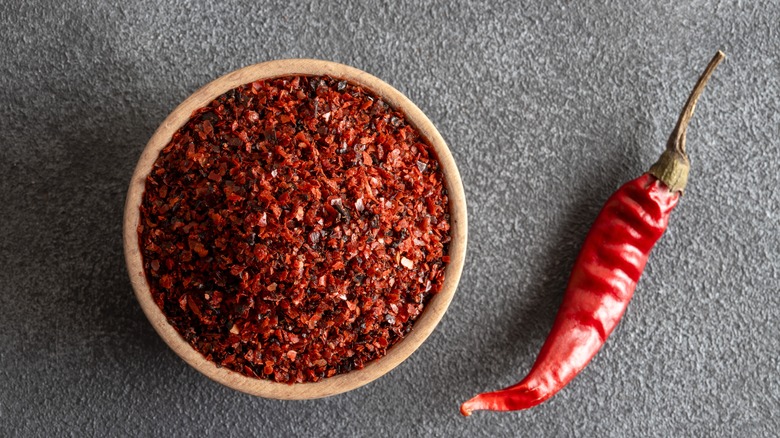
(547, 107)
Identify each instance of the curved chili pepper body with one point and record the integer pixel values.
(602, 283)
(607, 269)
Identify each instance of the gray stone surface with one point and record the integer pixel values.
(547, 107)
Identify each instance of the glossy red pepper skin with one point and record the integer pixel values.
(602, 283)
(607, 269)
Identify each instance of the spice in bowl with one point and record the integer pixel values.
(294, 228)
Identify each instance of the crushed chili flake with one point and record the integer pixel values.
(294, 228)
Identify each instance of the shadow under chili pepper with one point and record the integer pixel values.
(528, 327)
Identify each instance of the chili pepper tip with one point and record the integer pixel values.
(473, 404)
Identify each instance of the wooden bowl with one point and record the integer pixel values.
(430, 316)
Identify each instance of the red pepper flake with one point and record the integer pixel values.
(293, 229)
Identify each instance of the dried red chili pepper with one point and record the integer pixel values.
(605, 274)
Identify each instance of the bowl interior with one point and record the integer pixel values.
(430, 316)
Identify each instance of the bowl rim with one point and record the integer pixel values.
(433, 311)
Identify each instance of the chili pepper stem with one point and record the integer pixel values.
(673, 166)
